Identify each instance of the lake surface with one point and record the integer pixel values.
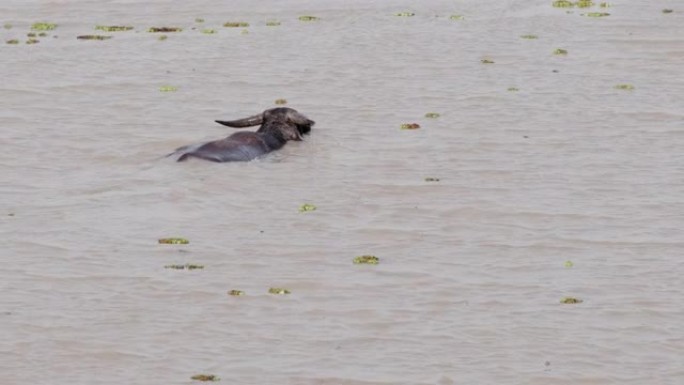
(567, 187)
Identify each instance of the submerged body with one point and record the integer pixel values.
(278, 125)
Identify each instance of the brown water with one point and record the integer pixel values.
(472, 268)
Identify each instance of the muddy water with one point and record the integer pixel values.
(473, 266)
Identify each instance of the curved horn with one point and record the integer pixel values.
(246, 122)
(299, 119)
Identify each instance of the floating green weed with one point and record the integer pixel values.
(667, 11)
(31, 34)
(456, 17)
(209, 31)
(605, 5)
(164, 29)
(93, 37)
(236, 24)
(236, 292)
(487, 61)
(308, 18)
(529, 37)
(596, 14)
(113, 28)
(42, 34)
(430, 179)
(12, 41)
(272, 23)
(366, 260)
(432, 115)
(205, 377)
(306, 207)
(410, 126)
(404, 14)
(627, 87)
(560, 51)
(570, 300)
(199, 20)
(563, 4)
(187, 266)
(513, 89)
(281, 101)
(43, 26)
(278, 291)
(568, 264)
(162, 37)
(168, 89)
(173, 241)
(7, 26)
(32, 41)
(585, 4)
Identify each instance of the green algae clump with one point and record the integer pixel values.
(13, 41)
(42, 34)
(560, 51)
(168, 89)
(432, 115)
(31, 34)
(32, 41)
(605, 5)
(173, 241)
(43, 26)
(7, 26)
(113, 28)
(570, 300)
(410, 126)
(162, 37)
(278, 291)
(585, 4)
(563, 4)
(430, 179)
(236, 24)
(404, 14)
(205, 377)
(596, 14)
(236, 293)
(272, 23)
(366, 260)
(627, 87)
(456, 17)
(568, 264)
(667, 11)
(164, 29)
(513, 89)
(281, 101)
(199, 20)
(487, 61)
(529, 37)
(209, 31)
(308, 18)
(187, 266)
(306, 207)
(93, 37)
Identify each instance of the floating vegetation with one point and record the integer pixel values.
(93, 37)
(174, 241)
(244, 32)
(487, 61)
(199, 20)
(560, 51)
(278, 290)
(308, 18)
(32, 41)
(43, 26)
(410, 126)
(563, 4)
(366, 260)
(432, 115)
(571, 300)
(205, 377)
(280, 101)
(113, 28)
(627, 87)
(456, 17)
(236, 292)
(429, 179)
(12, 41)
(164, 29)
(605, 5)
(596, 14)
(513, 89)
(306, 207)
(42, 34)
(168, 89)
(272, 23)
(162, 37)
(529, 37)
(584, 4)
(568, 264)
(7, 26)
(209, 31)
(187, 266)
(404, 14)
(667, 11)
(31, 34)
(236, 24)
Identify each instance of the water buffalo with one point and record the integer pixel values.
(278, 125)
